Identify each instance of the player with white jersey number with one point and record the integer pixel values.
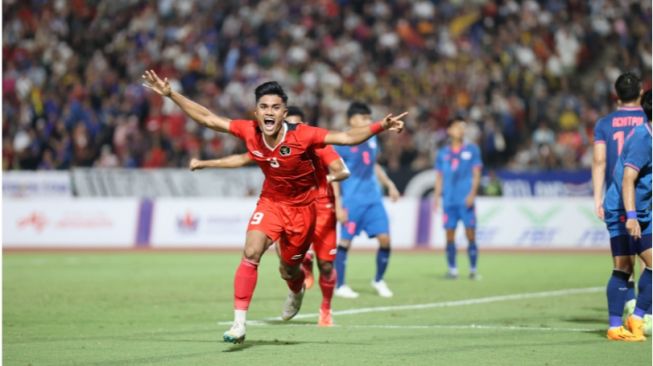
(286, 210)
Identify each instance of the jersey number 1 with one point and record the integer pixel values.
(619, 136)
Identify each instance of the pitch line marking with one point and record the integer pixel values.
(444, 304)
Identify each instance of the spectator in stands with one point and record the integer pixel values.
(71, 72)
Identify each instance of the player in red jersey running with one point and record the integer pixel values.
(286, 209)
(329, 167)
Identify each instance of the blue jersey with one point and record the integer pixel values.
(637, 155)
(612, 130)
(457, 169)
(361, 187)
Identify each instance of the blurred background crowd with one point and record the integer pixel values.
(531, 77)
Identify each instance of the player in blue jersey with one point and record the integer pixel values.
(636, 195)
(609, 136)
(360, 207)
(627, 210)
(458, 175)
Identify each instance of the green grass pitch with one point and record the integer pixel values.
(169, 308)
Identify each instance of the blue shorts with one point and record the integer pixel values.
(644, 243)
(646, 228)
(622, 245)
(371, 218)
(453, 214)
(625, 245)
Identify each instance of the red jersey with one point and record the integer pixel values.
(323, 158)
(288, 167)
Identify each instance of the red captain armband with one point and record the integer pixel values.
(376, 127)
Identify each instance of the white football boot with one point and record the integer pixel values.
(345, 292)
(382, 288)
(293, 304)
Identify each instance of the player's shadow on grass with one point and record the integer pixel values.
(277, 342)
(586, 320)
(249, 344)
(294, 322)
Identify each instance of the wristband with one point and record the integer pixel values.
(631, 215)
(376, 127)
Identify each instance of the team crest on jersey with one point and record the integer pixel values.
(466, 155)
(284, 150)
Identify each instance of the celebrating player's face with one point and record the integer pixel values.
(457, 130)
(270, 112)
(360, 120)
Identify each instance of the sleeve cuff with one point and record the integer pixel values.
(632, 166)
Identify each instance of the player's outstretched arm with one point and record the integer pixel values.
(231, 161)
(385, 181)
(628, 195)
(196, 111)
(598, 177)
(357, 135)
(337, 171)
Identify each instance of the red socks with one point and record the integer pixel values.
(327, 284)
(245, 283)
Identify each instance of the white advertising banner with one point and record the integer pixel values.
(72, 223)
(51, 184)
(206, 222)
(536, 223)
(222, 223)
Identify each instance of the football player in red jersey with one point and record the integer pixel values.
(286, 209)
(329, 167)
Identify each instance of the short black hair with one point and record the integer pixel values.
(628, 86)
(454, 120)
(270, 87)
(358, 108)
(295, 111)
(646, 104)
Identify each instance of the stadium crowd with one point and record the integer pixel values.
(531, 77)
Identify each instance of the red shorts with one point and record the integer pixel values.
(324, 240)
(290, 226)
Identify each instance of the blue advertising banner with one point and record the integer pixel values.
(555, 183)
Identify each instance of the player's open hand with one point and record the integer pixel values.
(394, 194)
(436, 204)
(154, 82)
(469, 200)
(393, 123)
(195, 164)
(632, 225)
(599, 212)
